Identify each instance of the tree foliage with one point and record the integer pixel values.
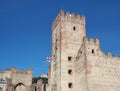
(45, 81)
(35, 79)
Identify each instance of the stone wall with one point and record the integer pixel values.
(79, 64)
(80, 71)
(17, 79)
(103, 70)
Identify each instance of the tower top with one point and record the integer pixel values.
(67, 16)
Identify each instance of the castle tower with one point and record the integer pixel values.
(68, 31)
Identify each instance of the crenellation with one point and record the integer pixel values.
(92, 41)
(57, 19)
(93, 44)
(14, 70)
(91, 65)
(61, 13)
(30, 70)
(109, 54)
(83, 20)
(72, 16)
(97, 41)
(78, 17)
(68, 17)
(116, 56)
(1, 71)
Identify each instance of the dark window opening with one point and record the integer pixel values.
(74, 28)
(81, 52)
(70, 85)
(69, 58)
(70, 71)
(92, 51)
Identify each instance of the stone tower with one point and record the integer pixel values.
(78, 63)
(68, 31)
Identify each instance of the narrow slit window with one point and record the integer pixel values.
(74, 28)
(92, 51)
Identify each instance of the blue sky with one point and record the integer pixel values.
(25, 29)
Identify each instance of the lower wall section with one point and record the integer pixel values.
(104, 73)
(104, 88)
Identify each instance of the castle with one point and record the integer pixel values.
(79, 64)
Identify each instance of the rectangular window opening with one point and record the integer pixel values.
(74, 28)
(70, 72)
(69, 58)
(70, 85)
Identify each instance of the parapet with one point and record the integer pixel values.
(14, 70)
(109, 54)
(68, 17)
(1, 71)
(96, 43)
(92, 41)
(30, 69)
(116, 56)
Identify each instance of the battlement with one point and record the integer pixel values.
(110, 55)
(1, 71)
(92, 41)
(68, 17)
(14, 70)
(94, 44)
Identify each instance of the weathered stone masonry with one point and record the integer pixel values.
(79, 64)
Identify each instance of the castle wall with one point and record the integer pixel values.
(80, 71)
(103, 71)
(78, 64)
(5, 74)
(18, 78)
